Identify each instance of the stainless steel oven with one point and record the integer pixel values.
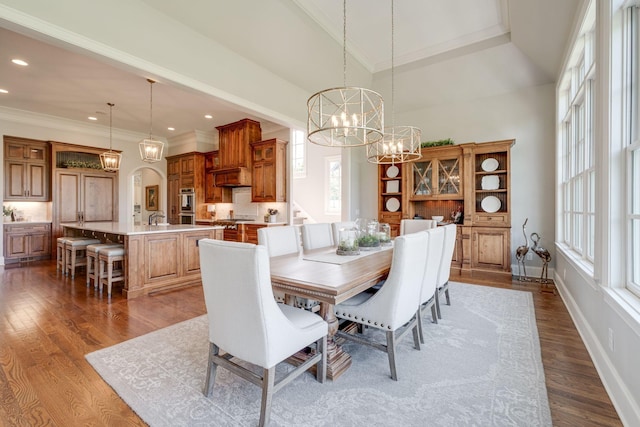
(187, 218)
(187, 201)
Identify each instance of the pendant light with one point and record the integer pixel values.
(110, 160)
(345, 116)
(151, 149)
(400, 143)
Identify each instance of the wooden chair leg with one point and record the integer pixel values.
(391, 352)
(211, 370)
(268, 380)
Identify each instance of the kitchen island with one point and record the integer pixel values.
(157, 257)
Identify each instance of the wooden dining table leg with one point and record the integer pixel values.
(338, 361)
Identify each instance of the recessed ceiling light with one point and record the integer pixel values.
(4, 91)
(170, 128)
(208, 116)
(19, 62)
(92, 118)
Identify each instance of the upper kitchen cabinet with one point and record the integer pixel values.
(212, 192)
(26, 169)
(269, 171)
(438, 174)
(235, 151)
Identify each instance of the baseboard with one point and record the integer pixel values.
(622, 399)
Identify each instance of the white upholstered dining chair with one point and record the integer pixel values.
(246, 323)
(316, 236)
(394, 307)
(445, 265)
(284, 240)
(430, 278)
(408, 226)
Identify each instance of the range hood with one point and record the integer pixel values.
(234, 177)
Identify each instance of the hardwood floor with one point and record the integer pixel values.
(48, 323)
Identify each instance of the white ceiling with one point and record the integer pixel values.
(65, 82)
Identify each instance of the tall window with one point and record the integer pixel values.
(299, 154)
(632, 151)
(576, 103)
(333, 188)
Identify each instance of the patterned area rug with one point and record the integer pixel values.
(480, 366)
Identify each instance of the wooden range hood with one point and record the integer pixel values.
(235, 153)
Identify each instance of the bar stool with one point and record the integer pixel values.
(76, 254)
(107, 258)
(93, 264)
(61, 259)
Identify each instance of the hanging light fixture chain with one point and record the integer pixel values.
(151, 108)
(393, 80)
(110, 104)
(344, 42)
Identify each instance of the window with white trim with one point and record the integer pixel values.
(333, 185)
(299, 154)
(577, 166)
(632, 146)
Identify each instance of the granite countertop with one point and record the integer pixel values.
(127, 229)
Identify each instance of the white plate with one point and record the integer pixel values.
(393, 186)
(490, 164)
(393, 171)
(491, 204)
(393, 204)
(490, 182)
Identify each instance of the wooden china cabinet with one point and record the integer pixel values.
(473, 178)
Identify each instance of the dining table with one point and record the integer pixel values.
(330, 279)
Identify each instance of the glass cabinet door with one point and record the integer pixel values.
(449, 176)
(422, 175)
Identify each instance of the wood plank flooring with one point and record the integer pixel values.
(48, 323)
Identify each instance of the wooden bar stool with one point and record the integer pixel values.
(108, 257)
(61, 259)
(76, 254)
(93, 264)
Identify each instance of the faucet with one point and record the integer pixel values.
(155, 216)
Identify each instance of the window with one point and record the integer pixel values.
(577, 165)
(333, 188)
(299, 155)
(632, 148)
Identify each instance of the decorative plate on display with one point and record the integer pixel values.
(491, 204)
(393, 204)
(490, 164)
(393, 171)
(490, 182)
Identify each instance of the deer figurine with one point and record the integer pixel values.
(522, 251)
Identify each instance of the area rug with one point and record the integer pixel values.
(479, 366)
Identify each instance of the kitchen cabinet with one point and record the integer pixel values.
(88, 195)
(233, 178)
(269, 183)
(438, 174)
(213, 193)
(184, 171)
(26, 170)
(471, 178)
(26, 242)
(234, 139)
(391, 200)
(490, 248)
